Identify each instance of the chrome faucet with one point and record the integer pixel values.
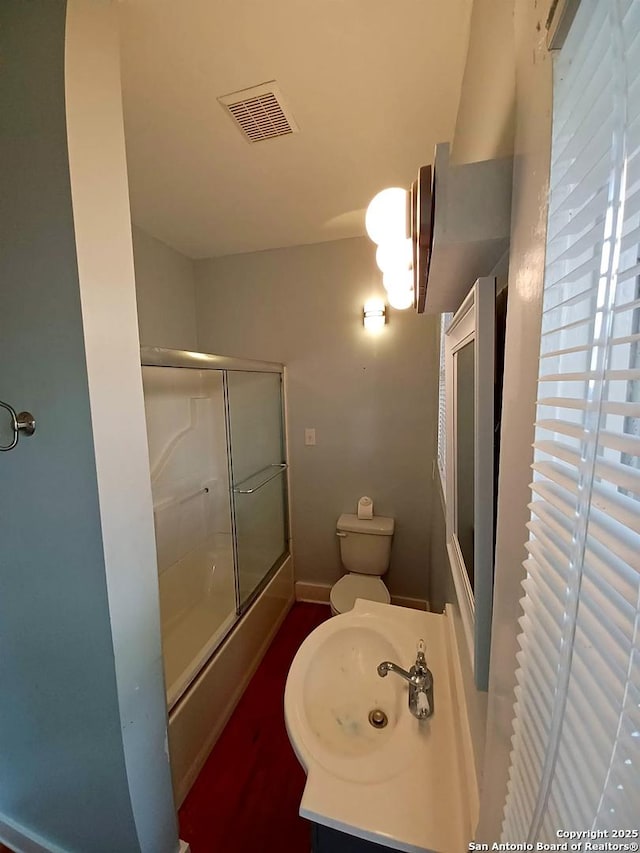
(420, 682)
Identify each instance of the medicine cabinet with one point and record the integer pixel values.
(470, 471)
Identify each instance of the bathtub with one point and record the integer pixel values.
(202, 708)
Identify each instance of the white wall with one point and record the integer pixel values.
(485, 122)
(372, 400)
(165, 292)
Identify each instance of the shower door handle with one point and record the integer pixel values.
(21, 422)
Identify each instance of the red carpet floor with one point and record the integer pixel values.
(247, 795)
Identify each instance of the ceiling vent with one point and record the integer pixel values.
(260, 112)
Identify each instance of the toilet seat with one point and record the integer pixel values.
(351, 586)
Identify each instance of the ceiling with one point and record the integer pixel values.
(372, 84)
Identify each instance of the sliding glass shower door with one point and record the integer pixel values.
(217, 465)
(189, 469)
(254, 401)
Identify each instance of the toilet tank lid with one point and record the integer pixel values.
(378, 525)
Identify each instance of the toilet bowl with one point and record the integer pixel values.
(365, 550)
(344, 593)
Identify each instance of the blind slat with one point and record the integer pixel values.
(630, 410)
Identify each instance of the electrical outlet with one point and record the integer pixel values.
(310, 437)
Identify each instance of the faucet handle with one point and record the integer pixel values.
(420, 666)
(423, 706)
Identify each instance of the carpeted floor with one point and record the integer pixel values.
(247, 796)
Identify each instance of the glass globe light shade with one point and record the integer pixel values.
(398, 280)
(386, 217)
(399, 287)
(395, 255)
(401, 299)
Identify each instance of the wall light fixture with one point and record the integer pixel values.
(386, 222)
(374, 315)
(400, 223)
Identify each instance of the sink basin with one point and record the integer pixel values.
(341, 687)
(333, 686)
(399, 785)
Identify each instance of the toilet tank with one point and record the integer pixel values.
(365, 544)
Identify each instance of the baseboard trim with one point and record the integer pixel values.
(22, 839)
(26, 842)
(313, 593)
(408, 601)
(318, 593)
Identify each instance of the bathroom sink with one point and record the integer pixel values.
(341, 689)
(332, 688)
(388, 777)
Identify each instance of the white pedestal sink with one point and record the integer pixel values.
(405, 785)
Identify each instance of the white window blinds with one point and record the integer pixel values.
(576, 741)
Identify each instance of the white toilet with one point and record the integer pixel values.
(365, 548)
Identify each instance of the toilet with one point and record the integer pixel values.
(365, 548)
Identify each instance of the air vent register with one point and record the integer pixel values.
(260, 112)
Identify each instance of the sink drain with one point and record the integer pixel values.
(378, 718)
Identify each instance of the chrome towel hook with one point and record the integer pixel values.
(21, 422)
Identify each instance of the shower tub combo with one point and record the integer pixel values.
(217, 455)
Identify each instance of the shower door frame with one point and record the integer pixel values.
(163, 357)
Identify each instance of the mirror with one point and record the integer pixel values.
(469, 486)
(465, 428)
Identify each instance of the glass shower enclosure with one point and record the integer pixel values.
(218, 465)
